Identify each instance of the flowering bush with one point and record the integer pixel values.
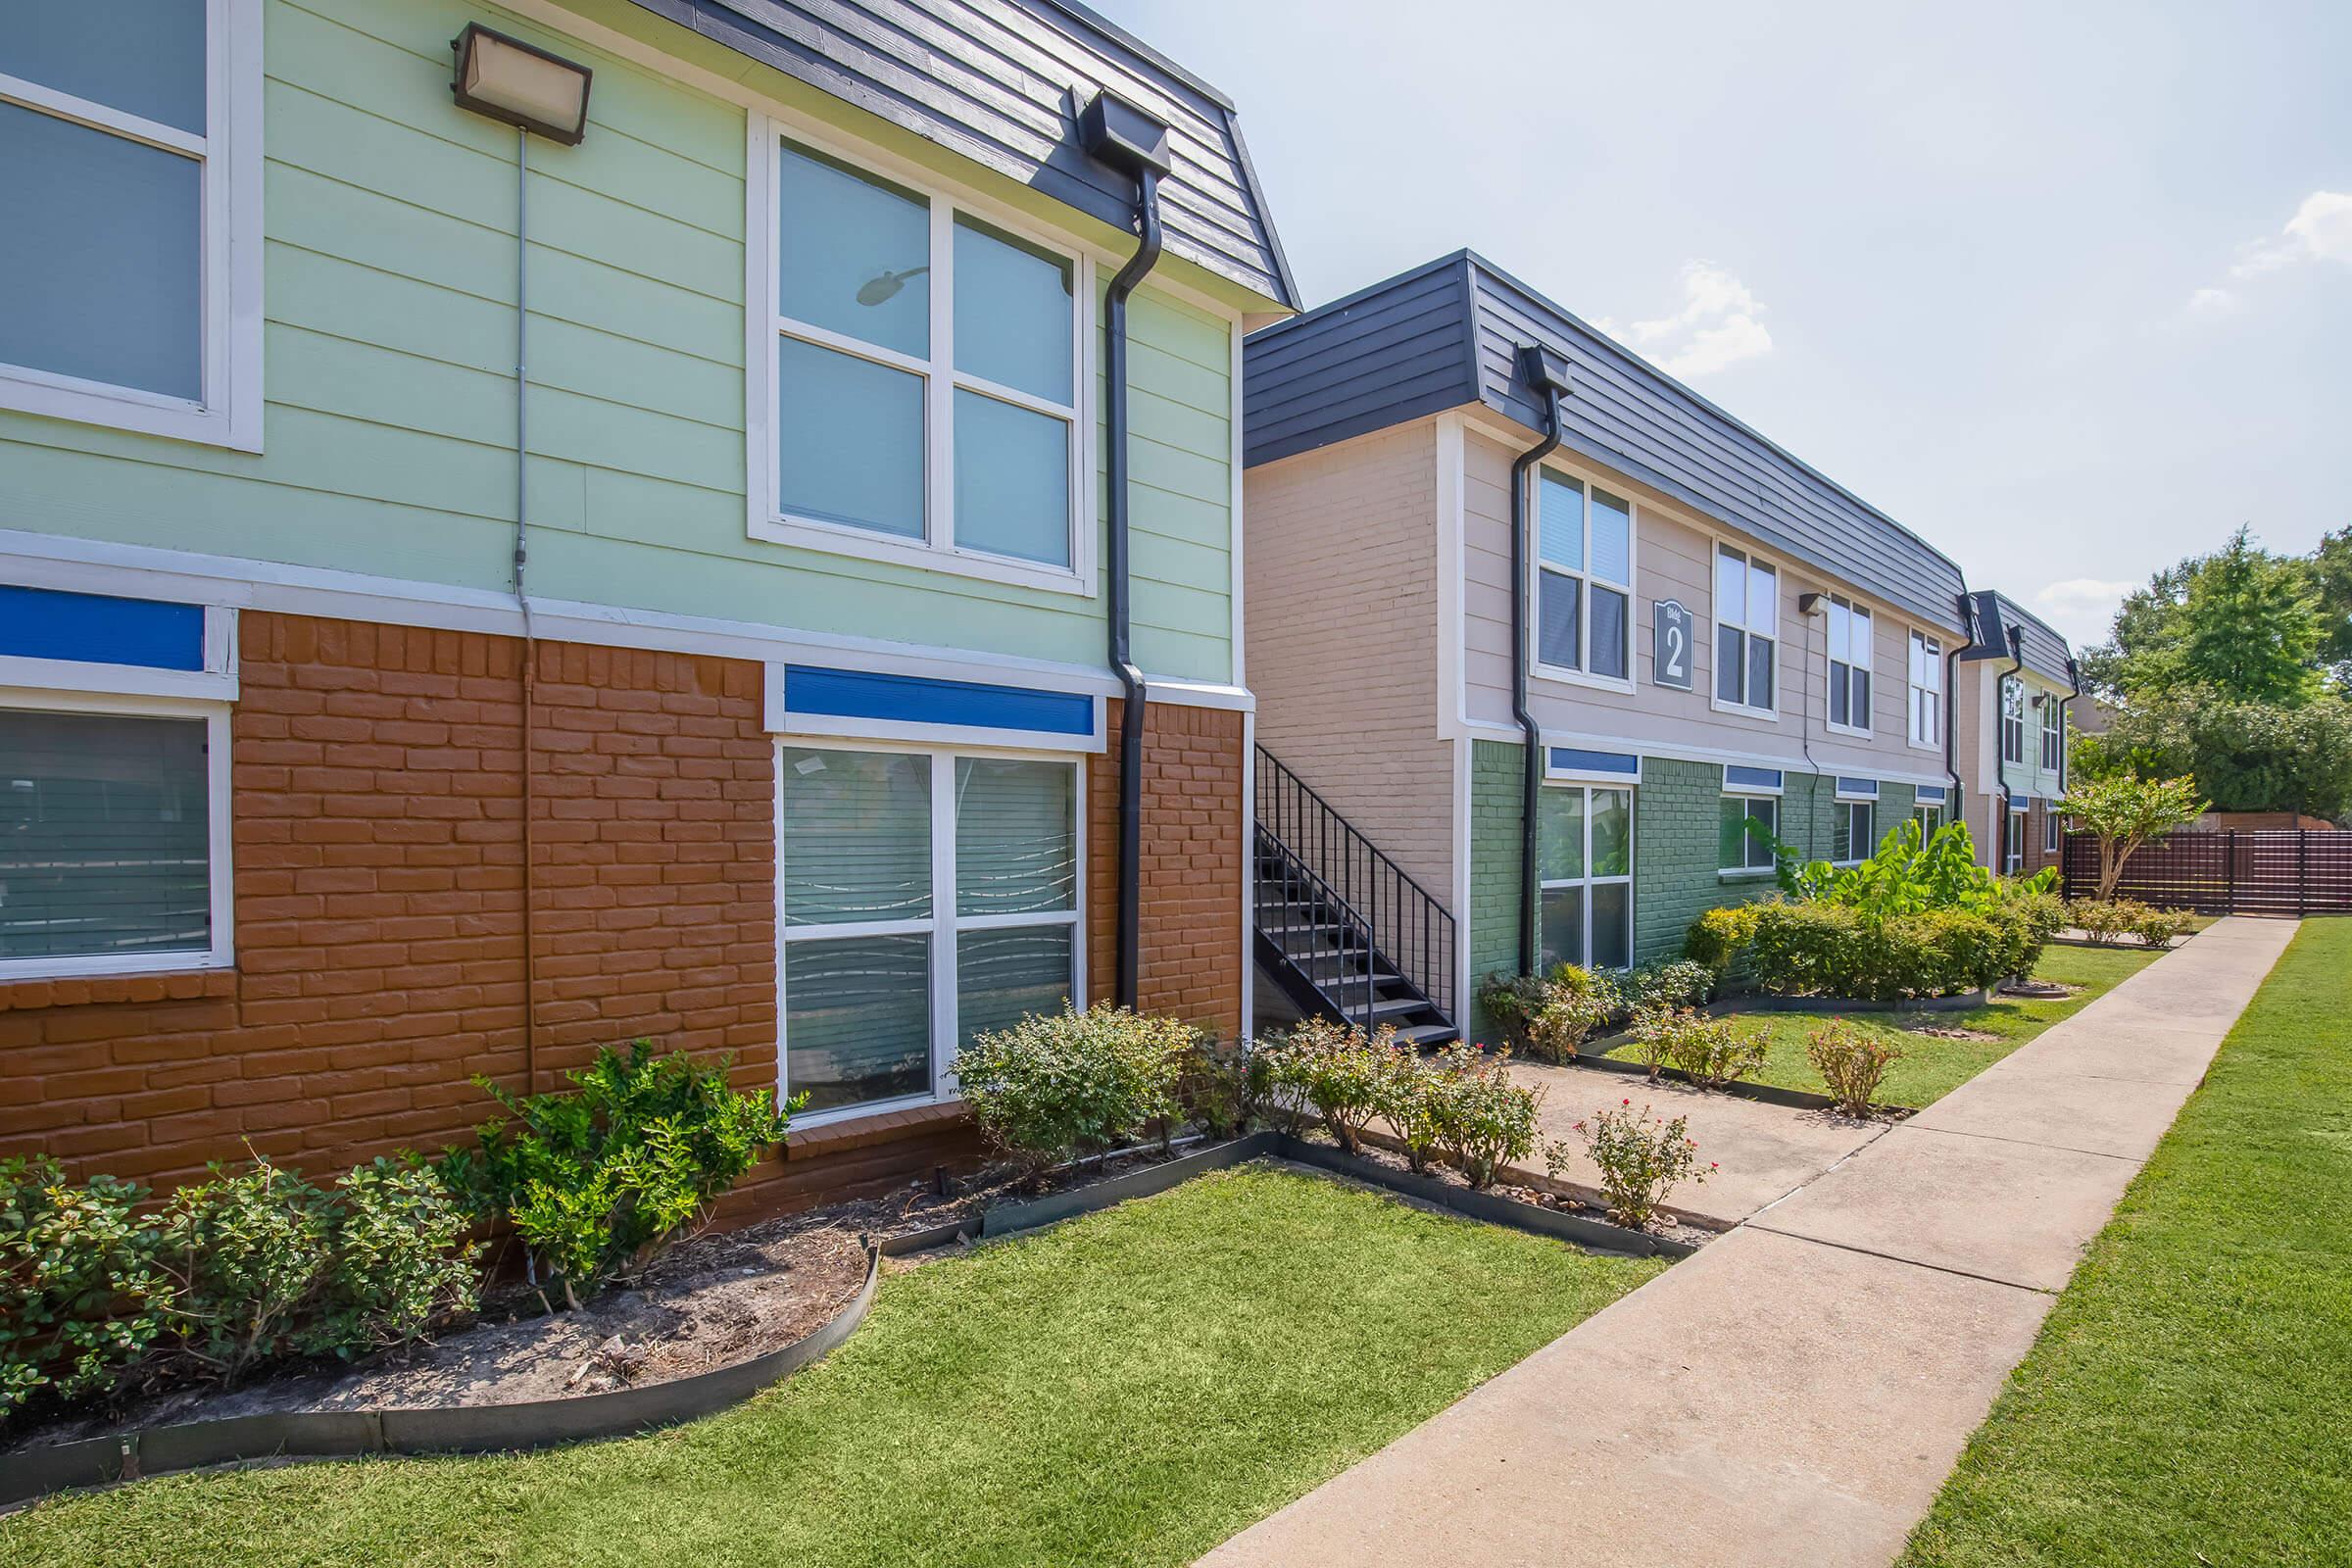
(1707, 1051)
(1483, 1119)
(1338, 1070)
(1641, 1157)
(1412, 1101)
(1055, 1084)
(1853, 1062)
(1549, 1017)
(1221, 1084)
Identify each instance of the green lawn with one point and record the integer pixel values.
(1933, 1066)
(1130, 1388)
(2189, 1400)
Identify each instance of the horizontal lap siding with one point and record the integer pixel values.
(1399, 353)
(388, 294)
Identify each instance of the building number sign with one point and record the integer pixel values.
(1670, 648)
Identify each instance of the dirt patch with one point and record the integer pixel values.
(1948, 1034)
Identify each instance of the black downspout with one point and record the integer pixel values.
(1951, 710)
(2074, 675)
(2000, 715)
(1122, 659)
(1531, 789)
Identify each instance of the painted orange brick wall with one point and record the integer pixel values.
(1192, 938)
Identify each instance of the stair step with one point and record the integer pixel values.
(1428, 1033)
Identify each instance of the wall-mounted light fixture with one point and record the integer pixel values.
(1811, 604)
(522, 84)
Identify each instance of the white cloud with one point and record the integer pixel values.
(2081, 608)
(1714, 328)
(2212, 302)
(2319, 231)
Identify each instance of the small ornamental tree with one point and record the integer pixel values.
(2124, 813)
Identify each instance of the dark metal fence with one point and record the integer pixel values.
(2242, 871)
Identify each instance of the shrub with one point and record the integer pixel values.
(1830, 950)
(2037, 915)
(1220, 1084)
(1707, 1051)
(401, 1261)
(1716, 938)
(86, 1297)
(1484, 1120)
(2158, 928)
(1640, 1157)
(1679, 983)
(599, 1178)
(1512, 1000)
(1412, 1099)
(2107, 921)
(1339, 1070)
(250, 1252)
(1055, 1084)
(1549, 1017)
(1851, 1061)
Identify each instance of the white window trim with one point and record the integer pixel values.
(2000, 715)
(1934, 639)
(1829, 662)
(1715, 545)
(2053, 734)
(1560, 673)
(229, 414)
(1589, 881)
(1918, 811)
(1842, 804)
(2014, 861)
(1748, 793)
(222, 872)
(765, 323)
(2050, 837)
(941, 925)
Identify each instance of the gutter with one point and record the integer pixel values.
(2017, 654)
(1951, 706)
(1119, 135)
(2065, 718)
(1547, 374)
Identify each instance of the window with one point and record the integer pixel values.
(113, 841)
(1584, 577)
(2053, 734)
(924, 898)
(1850, 633)
(1747, 630)
(2014, 850)
(131, 258)
(1750, 822)
(1931, 821)
(2013, 720)
(1927, 690)
(1584, 852)
(923, 401)
(1851, 831)
(2050, 833)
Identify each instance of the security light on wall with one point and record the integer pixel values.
(520, 84)
(1811, 604)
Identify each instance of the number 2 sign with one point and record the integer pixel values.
(1670, 647)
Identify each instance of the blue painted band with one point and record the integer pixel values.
(1617, 764)
(2020, 803)
(99, 629)
(1763, 778)
(1867, 787)
(918, 700)
(1929, 795)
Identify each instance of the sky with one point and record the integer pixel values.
(2065, 289)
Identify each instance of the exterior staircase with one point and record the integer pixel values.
(1340, 926)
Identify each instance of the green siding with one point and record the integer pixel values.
(1676, 837)
(388, 296)
(1495, 841)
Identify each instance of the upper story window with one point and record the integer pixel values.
(1747, 641)
(1850, 633)
(2013, 720)
(1927, 690)
(2053, 734)
(925, 367)
(130, 254)
(1584, 578)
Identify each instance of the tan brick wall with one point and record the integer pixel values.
(1192, 939)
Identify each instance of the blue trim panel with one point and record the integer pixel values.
(100, 629)
(918, 700)
(1927, 795)
(1766, 778)
(2020, 803)
(1866, 787)
(1617, 764)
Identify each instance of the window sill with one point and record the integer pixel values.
(76, 990)
(834, 539)
(1747, 875)
(113, 408)
(1577, 677)
(1763, 716)
(1850, 732)
(853, 1130)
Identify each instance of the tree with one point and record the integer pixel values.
(2331, 581)
(2242, 621)
(2245, 756)
(2125, 812)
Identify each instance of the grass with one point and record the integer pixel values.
(1130, 1388)
(2186, 1402)
(1933, 1066)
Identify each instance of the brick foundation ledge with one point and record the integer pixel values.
(75, 990)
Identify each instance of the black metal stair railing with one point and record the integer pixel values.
(1316, 851)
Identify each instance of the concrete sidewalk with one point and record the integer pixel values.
(1797, 1391)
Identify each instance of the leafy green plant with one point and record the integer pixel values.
(1549, 1017)
(1709, 1052)
(1483, 1119)
(1512, 1000)
(1676, 983)
(1906, 876)
(1719, 938)
(1055, 1084)
(599, 1178)
(1853, 1062)
(400, 1262)
(1337, 1068)
(2158, 928)
(1640, 1157)
(1220, 1084)
(1413, 1097)
(2124, 813)
(85, 1298)
(249, 1252)
(2105, 921)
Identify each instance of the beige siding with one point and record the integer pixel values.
(1342, 637)
(1673, 558)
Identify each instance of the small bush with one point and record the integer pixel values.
(1640, 1157)
(1550, 1018)
(1412, 1102)
(1511, 1001)
(86, 1297)
(2105, 921)
(1055, 1084)
(2159, 927)
(1851, 1061)
(2037, 915)
(599, 1179)
(250, 1250)
(1679, 983)
(1718, 938)
(1484, 1120)
(1220, 1084)
(1339, 1070)
(400, 1262)
(1821, 948)
(1707, 1051)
